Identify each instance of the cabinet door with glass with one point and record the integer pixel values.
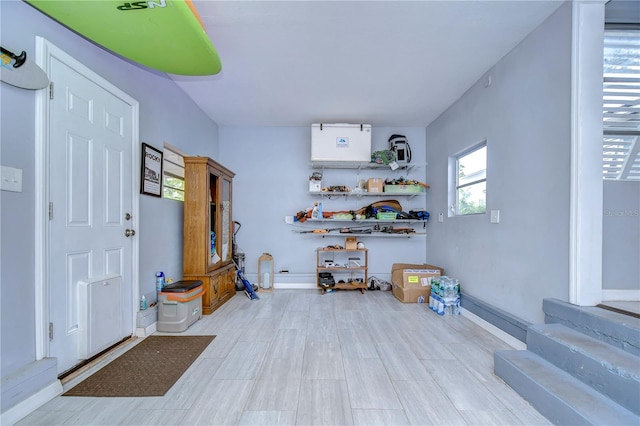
(226, 222)
(219, 219)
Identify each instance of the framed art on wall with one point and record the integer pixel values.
(151, 171)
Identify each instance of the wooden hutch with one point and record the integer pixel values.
(208, 229)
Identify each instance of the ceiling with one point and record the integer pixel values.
(387, 63)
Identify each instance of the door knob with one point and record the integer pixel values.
(129, 232)
(127, 216)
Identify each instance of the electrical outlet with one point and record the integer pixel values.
(495, 216)
(11, 179)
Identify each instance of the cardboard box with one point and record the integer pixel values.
(410, 281)
(350, 243)
(375, 185)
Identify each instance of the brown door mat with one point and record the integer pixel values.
(149, 368)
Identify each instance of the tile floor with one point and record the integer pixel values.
(343, 358)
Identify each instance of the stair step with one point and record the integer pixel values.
(609, 370)
(556, 394)
(616, 329)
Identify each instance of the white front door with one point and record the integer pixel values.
(91, 150)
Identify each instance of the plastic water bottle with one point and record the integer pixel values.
(435, 284)
(159, 281)
(453, 308)
(143, 303)
(449, 292)
(442, 285)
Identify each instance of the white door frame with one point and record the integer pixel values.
(44, 50)
(585, 244)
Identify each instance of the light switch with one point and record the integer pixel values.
(440, 217)
(495, 216)
(10, 179)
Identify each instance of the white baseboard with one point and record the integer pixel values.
(146, 331)
(296, 286)
(505, 337)
(29, 405)
(632, 295)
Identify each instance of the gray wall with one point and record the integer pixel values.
(621, 236)
(525, 116)
(166, 114)
(273, 168)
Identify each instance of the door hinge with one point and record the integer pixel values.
(50, 331)
(50, 210)
(51, 90)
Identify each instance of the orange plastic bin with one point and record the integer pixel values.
(179, 305)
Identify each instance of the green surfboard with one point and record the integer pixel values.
(165, 35)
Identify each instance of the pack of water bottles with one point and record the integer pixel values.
(445, 296)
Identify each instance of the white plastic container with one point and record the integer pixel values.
(180, 305)
(341, 142)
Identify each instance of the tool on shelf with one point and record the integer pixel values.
(342, 229)
(366, 211)
(362, 230)
(404, 181)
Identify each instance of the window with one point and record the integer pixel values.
(621, 105)
(471, 181)
(173, 179)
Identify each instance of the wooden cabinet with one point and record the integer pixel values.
(208, 230)
(348, 268)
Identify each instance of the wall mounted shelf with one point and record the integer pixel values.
(359, 194)
(361, 166)
(364, 234)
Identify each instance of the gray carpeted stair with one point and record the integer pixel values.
(583, 368)
(556, 394)
(618, 330)
(609, 370)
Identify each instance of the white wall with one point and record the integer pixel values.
(166, 114)
(524, 113)
(272, 166)
(621, 236)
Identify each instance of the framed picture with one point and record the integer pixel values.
(151, 171)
